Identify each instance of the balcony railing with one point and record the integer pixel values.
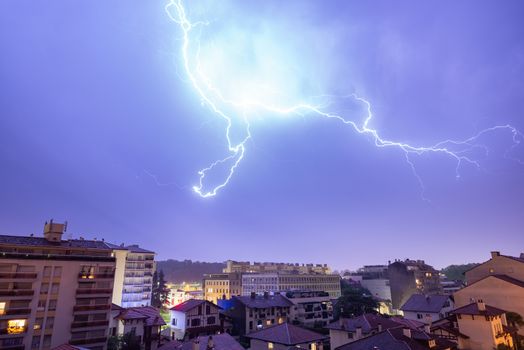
(87, 341)
(89, 324)
(91, 307)
(16, 293)
(94, 291)
(21, 311)
(21, 275)
(96, 275)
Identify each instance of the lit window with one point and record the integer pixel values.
(2, 308)
(270, 346)
(16, 326)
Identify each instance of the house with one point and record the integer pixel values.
(448, 328)
(485, 325)
(427, 308)
(312, 309)
(194, 318)
(347, 330)
(254, 312)
(211, 342)
(144, 322)
(285, 335)
(487, 280)
(400, 338)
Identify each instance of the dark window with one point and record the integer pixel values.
(211, 320)
(195, 322)
(208, 309)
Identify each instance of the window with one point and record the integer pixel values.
(52, 305)
(47, 341)
(195, 322)
(49, 323)
(2, 308)
(16, 326)
(47, 271)
(250, 325)
(173, 322)
(419, 316)
(200, 309)
(211, 320)
(208, 309)
(41, 305)
(350, 335)
(54, 288)
(38, 324)
(35, 343)
(270, 346)
(58, 271)
(44, 288)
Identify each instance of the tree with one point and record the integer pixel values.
(160, 293)
(515, 320)
(130, 342)
(355, 301)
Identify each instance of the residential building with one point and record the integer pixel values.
(54, 291)
(254, 312)
(499, 282)
(286, 336)
(410, 277)
(448, 328)
(267, 267)
(485, 325)
(427, 308)
(207, 342)
(400, 338)
(133, 276)
(282, 282)
(222, 286)
(194, 318)
(144, 322)
(178, 293)
(348, 330)
(310, 309)
(498, 265)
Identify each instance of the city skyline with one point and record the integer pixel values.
(101, 128)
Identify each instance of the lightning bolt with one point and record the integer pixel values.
(212, 97)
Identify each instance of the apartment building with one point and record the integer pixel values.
(54, 291)
(310, 309)
(259, 283)
(221, 286)
(133, 275)
(265, 267)
(410, 277)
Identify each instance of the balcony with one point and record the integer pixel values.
(20, 311)
(87, 341)
(91, 307)
(89, 324)
(17, 275)
(16, 293)
(96, 275)
(94, 291)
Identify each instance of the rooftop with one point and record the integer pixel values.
(286, 334)
(191, 304)
(478, 308)
(426, 303)
(367, 322)
(262, 302)
(150, 314)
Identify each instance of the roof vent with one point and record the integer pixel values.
(494, 254)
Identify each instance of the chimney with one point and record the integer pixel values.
(406, 332)
(495, 254)
(196, 344)
(522, 255)
(481, 305)
(427, 328)
(53, 231)
(266, 295)
(380, 327)
(210, 344)
(358, 332)
(253, 295)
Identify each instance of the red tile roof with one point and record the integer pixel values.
(473, 309)
(191, 304)
(286, 334)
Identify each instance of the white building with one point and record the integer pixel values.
(427, 308)
(194, 318)
(133, 276)
(259, 283)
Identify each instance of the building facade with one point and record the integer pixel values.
(133, 276)
(260, 283)
(194, 318)
(310, 309)
(266, 267)
(54, 291)
(427, 308)
(221, 286)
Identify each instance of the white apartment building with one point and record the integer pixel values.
(259, 283)
(133, 276)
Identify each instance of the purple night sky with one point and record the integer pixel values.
(101, 128)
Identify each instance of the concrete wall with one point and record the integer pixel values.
(497, 265)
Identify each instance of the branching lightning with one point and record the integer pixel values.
(212, 97)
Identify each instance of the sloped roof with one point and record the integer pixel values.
(473, 309)
(408, 323)
(148, 313)
(504, 278)
(262, 302)
(42, 242)
(191, 304)
(367, 322)
(220, 341)
(423, 303)
(286, 334)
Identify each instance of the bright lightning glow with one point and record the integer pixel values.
(258, 97)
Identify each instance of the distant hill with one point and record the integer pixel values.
(176, 271)
(456, 272)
